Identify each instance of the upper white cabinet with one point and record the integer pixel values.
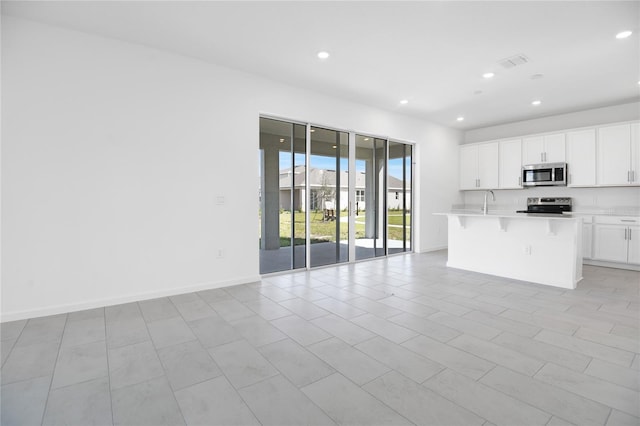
(479, 166)
(599, 156)
(581, 157)
(618, 159)
(510, 164)
(543, 149)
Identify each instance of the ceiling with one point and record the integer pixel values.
(432, 54)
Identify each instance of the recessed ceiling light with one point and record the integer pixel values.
(281, 140)
(366, 139)
(536, 102)
(460, 118)
(488, 75)
(334, 147)
(323, 55)
(313, 130)
(404, 102)
(623, 34)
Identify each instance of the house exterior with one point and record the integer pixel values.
(323, 196)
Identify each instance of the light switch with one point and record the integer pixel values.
(220, 200)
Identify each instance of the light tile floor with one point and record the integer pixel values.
(402, 340)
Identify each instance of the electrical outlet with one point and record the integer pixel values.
(220, 254)
(526, 249)
(220, 200)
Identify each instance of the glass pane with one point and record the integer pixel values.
(329, 185)
(281, 183)
(299, 196)
(399, 197)
(370, 200)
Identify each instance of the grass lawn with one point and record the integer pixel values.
(325, 231)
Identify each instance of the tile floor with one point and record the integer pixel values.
(402, 340)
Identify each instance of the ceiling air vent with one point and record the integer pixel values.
(513, 61)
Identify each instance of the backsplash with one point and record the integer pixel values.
(613, 200)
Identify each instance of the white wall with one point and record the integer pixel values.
(591, 117)
(113, 155)
(611, 200)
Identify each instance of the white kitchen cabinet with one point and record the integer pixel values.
(617, 239)
(587, 238)
(510, 164)
(544, 149)
(635, 153)
(633, 239)
(618, 158)
(581, 157)
(610, 243)
(469, 167)
(479, 166)
(587, 241)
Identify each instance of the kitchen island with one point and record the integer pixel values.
(543, 249)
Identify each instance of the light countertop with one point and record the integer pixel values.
(509, 214)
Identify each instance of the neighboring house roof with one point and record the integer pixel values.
(322, 177)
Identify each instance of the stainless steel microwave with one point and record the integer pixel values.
(546, 174)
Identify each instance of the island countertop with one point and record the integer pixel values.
(510, 214)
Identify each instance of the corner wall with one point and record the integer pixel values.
(113, 155)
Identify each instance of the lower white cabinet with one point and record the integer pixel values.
(616, 239)
(633, 254)
(587, 240)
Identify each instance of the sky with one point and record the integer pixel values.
(329, 163)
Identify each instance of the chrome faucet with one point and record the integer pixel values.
(485, 207)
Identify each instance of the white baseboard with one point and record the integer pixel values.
(430, 249)
(628, 266)
(99, 303)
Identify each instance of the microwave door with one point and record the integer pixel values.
(537, 176)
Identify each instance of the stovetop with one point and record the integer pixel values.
(547, 205)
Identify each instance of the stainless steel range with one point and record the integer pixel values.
(547, 205)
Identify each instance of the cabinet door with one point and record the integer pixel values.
(587, 240)
(532, 149)
(581, 157)
(488, 165)
(554, 149)
(510, 164)
(609, 243)
(635, 153)
(613, 155)
(633, 239)
(469, 167)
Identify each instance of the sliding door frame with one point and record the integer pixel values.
(351, 191)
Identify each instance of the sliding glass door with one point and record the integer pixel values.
(370, 166)
(399, 197)
(315, 182)
(329, 196)
(281, 189)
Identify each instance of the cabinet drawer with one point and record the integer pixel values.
(618, 220)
